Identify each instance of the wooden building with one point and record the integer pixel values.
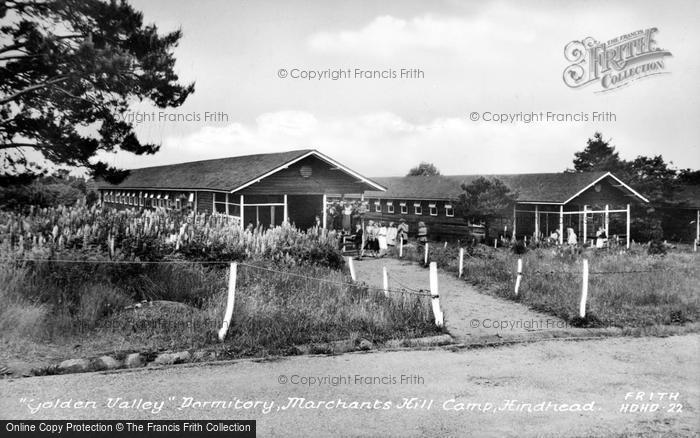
(546, 202)
(263, 189)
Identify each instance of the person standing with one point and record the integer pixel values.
(382, 239)
(391, 234)
(422, 233)
(402, 231)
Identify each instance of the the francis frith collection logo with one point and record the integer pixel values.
(614, 63)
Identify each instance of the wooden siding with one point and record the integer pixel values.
(205, 202)
(608, 194)
(289, 181)
(440, 227)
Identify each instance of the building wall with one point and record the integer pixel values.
(118, 199)
(322, 179)
(440, 226)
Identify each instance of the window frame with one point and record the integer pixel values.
(449, 210)
(432, 209)
(418, 209)
(390, 207)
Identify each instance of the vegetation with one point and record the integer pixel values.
(484, 200)
(424, 169)
(131, 281)
(626, 288)
(655, 178)
(70, 70)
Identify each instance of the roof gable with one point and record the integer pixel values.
(555, 188)
(222, 174)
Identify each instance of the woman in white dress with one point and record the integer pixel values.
(381, 237)
(391, 233)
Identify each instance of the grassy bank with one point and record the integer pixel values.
(626, 289)
(275, 309)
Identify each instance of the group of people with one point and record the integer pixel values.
(376, 238)
(572, 239)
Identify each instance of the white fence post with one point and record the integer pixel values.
(233, 272)
(520, 274)
(435, 296)
(445, 244)
(385, 278)
(425, 255)
(400, 247)
(495, 243)
(584, 290)
(352, 269)
(461, 262)
(695, 245)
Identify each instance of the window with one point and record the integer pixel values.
(390, 207)
(417, 209)
(404, 208)
(378, 206)
(224, 204)
(140, 199)
(433, 209)
(449, 211)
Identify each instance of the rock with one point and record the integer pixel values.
(183, 356)
(164, 359)
(135, 360)
(106, 363)
(74, 366)
(172, 358)
(365, 345)
(17, 369)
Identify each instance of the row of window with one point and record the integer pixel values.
(142, 199)
(417, 208)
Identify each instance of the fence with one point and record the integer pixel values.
(565, 280)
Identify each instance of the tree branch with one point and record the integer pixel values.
(32, 88)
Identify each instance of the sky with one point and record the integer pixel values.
(483, 58)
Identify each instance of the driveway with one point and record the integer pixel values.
(469, 314)
(498, 383)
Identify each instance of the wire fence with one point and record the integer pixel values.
(404, 289)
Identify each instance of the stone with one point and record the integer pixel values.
(74, 366)
(182, 356)
(172, 358)
(106, 363)
(135, 360)
(365, 345)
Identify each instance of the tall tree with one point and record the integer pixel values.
(69, 69)
(484, 200)
(424, 169)
(597, 155)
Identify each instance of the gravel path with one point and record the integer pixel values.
(469, 314)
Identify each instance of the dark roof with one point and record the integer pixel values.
(225, 174)
(530, 187)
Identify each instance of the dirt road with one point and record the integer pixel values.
(596, 374)
(469, 314)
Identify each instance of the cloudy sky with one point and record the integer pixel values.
(498, 57)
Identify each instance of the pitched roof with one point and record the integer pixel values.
(222, 174)
(530, 187)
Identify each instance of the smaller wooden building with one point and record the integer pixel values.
(262, 189)
(545, 203)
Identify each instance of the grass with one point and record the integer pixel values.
(276, 309)
(627, 289)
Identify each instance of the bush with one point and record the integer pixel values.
(656, 247)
